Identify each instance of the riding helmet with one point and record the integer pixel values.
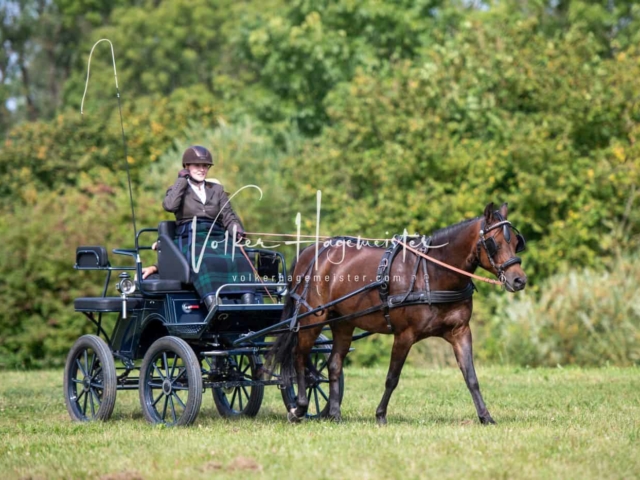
(196, 155)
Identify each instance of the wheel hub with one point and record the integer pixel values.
(86, 383)
(166, 387)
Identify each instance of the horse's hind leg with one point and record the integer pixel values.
(461, 342)
(342, 335)
(401, 345)
(306, 339)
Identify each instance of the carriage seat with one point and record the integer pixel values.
(172, 264)
(174, 273)
(106, 304)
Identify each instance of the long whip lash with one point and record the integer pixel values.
(124, 138)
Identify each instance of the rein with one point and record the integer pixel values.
(450, 267)
(255, 272)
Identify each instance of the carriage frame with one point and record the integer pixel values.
(165, 344)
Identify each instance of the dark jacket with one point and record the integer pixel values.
(183, 201)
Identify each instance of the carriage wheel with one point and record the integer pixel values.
(90, 380)
(170, 383)
(240, 400)
(317, 380)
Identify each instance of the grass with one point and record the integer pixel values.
(552, 423)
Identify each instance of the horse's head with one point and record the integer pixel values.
(497, 246)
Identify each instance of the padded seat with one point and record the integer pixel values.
(155, 286)
(106, 304)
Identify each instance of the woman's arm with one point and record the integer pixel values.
(229, 217)
(173, 198)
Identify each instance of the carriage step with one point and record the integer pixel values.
(106, 304)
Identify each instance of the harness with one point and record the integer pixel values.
(387, 302)
(491, 247)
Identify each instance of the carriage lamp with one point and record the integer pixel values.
(125, 285)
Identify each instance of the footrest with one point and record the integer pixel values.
(106, 304)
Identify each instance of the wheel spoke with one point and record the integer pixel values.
(173, 409)
(182, 372)
(315, 394)
(79, 397)
(155, 367)
(179, 400)
(93, 364)
(239, 398)
(173, 367)
(157, 399)
(166, 364)
(154, 385)
(75, 380)
(86, 363)
(244, 389)
(93, 407)
(81, 368)
(322, 365)
(164, 410)
(97, 386)
(84, 409)
(324, 395)
(233, 398)
(94, 393)
(180, 387)
(244, 370)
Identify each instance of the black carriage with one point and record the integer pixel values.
(167, 345)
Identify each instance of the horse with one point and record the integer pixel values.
(329, 276)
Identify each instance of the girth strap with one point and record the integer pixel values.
(383, 276)
(424, 296)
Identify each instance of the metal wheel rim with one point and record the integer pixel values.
(87, 364)
(167, 387)
(237, 396)
(316, 393)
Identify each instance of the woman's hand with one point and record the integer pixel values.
(184, 173)
(146, 271)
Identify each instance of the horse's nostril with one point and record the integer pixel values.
(519, 282)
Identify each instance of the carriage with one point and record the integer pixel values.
(178, 350)
(166, 344)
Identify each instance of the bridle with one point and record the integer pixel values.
(491, 246)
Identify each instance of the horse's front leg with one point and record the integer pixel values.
(401, 345)
(461, 342)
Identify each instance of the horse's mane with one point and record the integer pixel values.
(451, 230)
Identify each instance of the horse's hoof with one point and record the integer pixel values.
(335, 418)
(292, 417)
(382, 421)
(487, 420)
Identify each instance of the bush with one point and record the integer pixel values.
(587, 317)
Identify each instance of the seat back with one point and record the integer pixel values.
(172, 264)
(91, 257)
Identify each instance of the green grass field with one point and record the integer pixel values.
(552, 423)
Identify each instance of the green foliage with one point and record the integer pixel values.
(64, 152)
(492, 114)
(37, 254)
(405, 114)
(585, 317)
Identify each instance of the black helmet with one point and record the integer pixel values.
(196, 155)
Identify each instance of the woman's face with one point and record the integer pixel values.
(198, 172)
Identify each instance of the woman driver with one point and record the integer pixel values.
(191, 196)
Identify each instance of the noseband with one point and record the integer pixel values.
(491, 247)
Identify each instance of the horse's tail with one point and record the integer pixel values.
(281, 353)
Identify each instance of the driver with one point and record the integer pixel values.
(192, 196)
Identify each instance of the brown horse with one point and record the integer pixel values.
(341, 269)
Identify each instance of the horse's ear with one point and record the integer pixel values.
(504, 210)
(488, 213)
